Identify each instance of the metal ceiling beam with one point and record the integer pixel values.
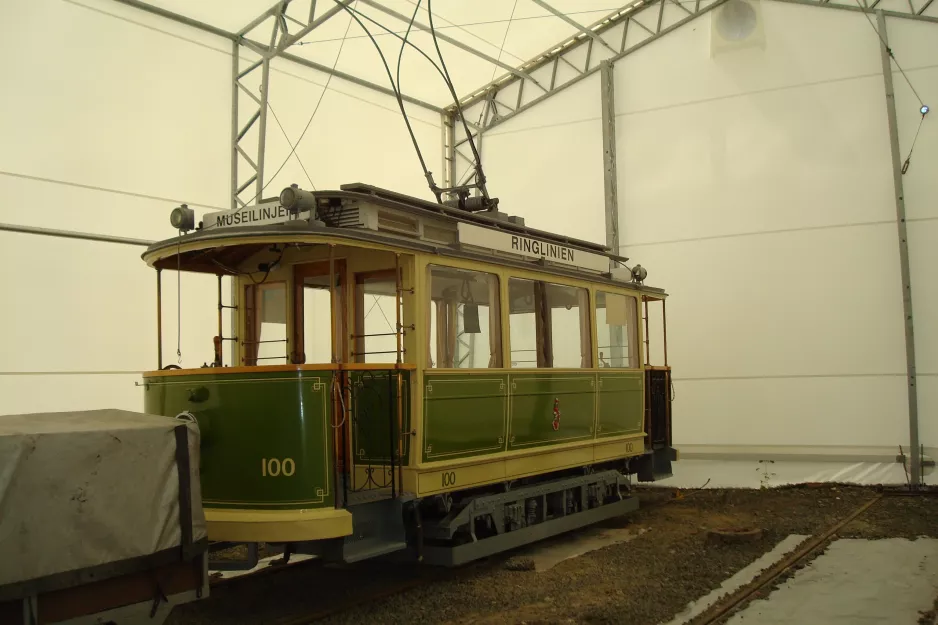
(560, 51)
(72, 234)
(626, 15)
(908, 15)
(589, 33)
(257, 21)
(259, 48)
(517, 72)
(290, 39)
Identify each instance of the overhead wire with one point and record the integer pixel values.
(404, 39)
(311, 117)
(290, 143)
(397, 93)
(480, 176)
(501, 49)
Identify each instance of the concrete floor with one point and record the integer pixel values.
(889, 581)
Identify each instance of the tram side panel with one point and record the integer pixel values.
(485, 426)
(267, 462)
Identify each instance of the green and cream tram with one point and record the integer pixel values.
(401, 375)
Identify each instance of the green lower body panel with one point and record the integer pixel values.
(266, 437)
(478, 414)
(551, 408)
(464, 415)
(620, 404)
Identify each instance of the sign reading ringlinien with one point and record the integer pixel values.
(257, 215)
(531, 247)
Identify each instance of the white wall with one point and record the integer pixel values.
(112, 118)
(756, 187)
(546, 164)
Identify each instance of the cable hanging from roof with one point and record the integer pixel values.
(923, 108)
(461, 192)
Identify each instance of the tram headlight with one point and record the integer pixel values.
(297, 200)
(639, 273)
(182, 218)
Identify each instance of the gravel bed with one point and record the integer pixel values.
(643, 581)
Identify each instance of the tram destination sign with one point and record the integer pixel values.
(531, 247)
(262, 214)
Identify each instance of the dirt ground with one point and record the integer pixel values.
(646, 580)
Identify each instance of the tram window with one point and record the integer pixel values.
(568, 308)
(317, 320)
(266, 343)
(616, 330)
(524, 328)
(548, 325)
(464, 319)
(375, 317)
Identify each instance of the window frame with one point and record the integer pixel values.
(544, 339)
(338, 308)
(499, 332)
(635, 334)
(251, 323)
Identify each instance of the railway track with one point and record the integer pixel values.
(725, 606)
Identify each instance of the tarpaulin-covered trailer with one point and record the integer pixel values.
(100, 517)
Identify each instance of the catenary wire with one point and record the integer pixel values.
(311, 117)
(480, 176)
(921, 103)
(290, 143)
(397, 92)
(501, 49)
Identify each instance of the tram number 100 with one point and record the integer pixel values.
(274, 466)
(449, 478)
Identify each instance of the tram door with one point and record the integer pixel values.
(321, 331)
(375, 385)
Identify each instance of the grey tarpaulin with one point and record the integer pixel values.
(83, 489)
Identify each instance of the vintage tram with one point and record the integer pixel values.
(406, 376)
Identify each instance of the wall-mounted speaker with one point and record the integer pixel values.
(736, 24)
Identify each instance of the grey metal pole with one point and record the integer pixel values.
(71, 234)
(610, 184)
(915, 469)
(607, 94)
(449, 148)
(262, 130)
(235, 68)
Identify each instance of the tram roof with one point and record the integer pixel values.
(294, 231)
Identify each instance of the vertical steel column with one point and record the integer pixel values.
(262, 124)
(607, 94)
(448, 148)
(916, 463)
(235, 68)
(159, 319)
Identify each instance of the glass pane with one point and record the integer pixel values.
(464, 319)
(377, 320)
(272, 333)
(616, 330)
(569, 326)
(522, 323)
(317, 323)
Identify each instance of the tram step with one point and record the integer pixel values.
(377, 529)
